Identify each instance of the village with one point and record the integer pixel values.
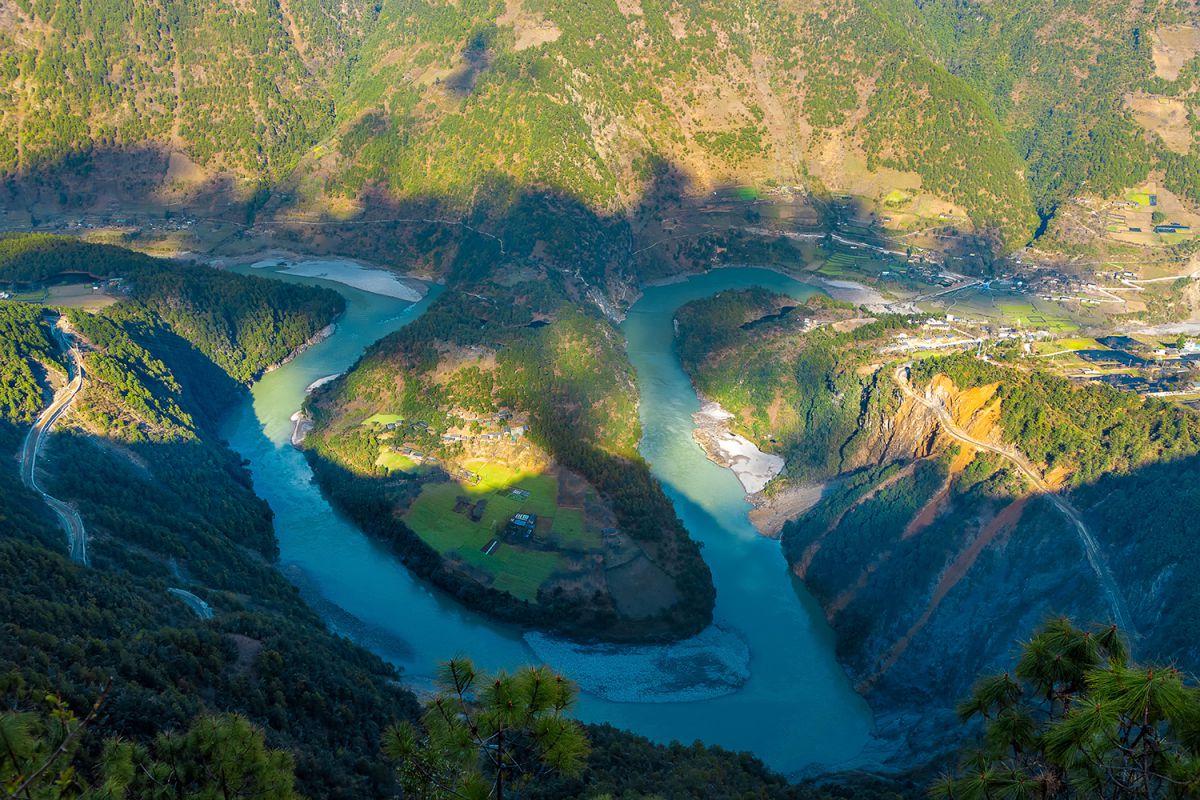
(1150, 364)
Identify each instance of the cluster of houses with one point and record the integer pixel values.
(946, 332)
(1162, 370)
(510, 433)
(521, 527)
(503, 420)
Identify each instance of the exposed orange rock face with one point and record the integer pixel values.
(973, 410)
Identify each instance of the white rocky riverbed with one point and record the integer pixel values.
(754, 468)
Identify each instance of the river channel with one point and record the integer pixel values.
(790, 703)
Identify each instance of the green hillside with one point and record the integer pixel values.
(917, 537)
(997, 111)
(166, 504)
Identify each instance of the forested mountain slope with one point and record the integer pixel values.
(239, 86)
(992, 111)
(166, 505)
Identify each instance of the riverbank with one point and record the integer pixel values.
(843, 290)
(313, 341)
(772, 512)
(753, 468)
(301, 426)
(712, 664)
(350, 273)
(851, 292)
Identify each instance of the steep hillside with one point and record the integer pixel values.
(165, 507)
(915, 105)
(931, 114)
(242, 88)
(587, 100)
(244, 325)
(932, 505)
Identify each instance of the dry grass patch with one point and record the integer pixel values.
(1173, 47)
(531, 29)
(1165, 116)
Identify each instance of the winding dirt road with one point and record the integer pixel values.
(200, 608)
(71, 521)
(1090, 547)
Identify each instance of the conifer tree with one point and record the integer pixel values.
(488, 737)
(1076, 719)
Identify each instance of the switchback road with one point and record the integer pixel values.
(71, 521)
(1091, 548)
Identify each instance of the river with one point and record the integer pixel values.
(795, 710)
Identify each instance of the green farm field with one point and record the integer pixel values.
(517, 570)
(1007, 308)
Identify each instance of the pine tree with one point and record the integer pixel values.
(1077, 719)
(488, 737)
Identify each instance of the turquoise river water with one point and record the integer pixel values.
(791, 704)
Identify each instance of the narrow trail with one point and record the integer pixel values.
(71, 521)
(1090, 547)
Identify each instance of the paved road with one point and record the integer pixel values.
(71, 521)
(202, 609)
(1090, 547)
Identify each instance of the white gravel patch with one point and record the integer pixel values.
(754, 468)
(350, 273)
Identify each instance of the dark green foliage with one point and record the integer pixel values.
(242, 323)
(482, 736)
(42, 758)
(860, 527)
(21, 509)
(27, 348)
(70, 629)
(1077, 719)
(218, 756)
(166, 504)
(1056, 77)
(145, 392)
(623, 765)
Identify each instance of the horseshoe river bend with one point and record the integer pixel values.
(763, 678)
